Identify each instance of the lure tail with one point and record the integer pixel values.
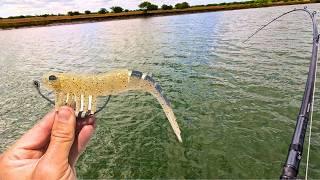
(142, 81)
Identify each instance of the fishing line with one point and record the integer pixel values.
(310, 128)
(291, 166)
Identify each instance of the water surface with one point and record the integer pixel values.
(236, 103)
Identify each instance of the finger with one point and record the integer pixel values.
(85, 131)
(39, 134)
(62, 135)
(36, 139)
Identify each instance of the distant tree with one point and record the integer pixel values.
(212, 4)
(16, 17)
(144, 5)
(44, 15)
(70, 13)
(116, 9)
(266, 1)
(126, 10)
(166, 7)
(152, 7)
(103, 11)
(76, 13)
(147, 6)
(87, 12)
(183, 5)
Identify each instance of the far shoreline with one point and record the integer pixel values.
(6, 23)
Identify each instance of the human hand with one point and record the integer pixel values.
(50, 149)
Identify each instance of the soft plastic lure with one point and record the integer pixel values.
(82, 91)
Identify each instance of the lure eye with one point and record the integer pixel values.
(52, 77)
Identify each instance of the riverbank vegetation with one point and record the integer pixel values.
(145, 9)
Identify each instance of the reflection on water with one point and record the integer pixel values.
(236, 103)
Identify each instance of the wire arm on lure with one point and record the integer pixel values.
(291, 167)
(37, 86)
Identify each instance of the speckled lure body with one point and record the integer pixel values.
(82, 91)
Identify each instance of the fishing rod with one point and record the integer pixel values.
(291, 167)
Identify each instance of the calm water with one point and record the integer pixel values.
(236, 103)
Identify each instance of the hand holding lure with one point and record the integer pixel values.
(82, 91)
(291, 167)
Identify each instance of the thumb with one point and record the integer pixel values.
(62, 135)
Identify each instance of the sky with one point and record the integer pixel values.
(38, 7)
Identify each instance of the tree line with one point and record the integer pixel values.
(147, 6)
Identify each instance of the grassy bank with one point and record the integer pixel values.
(7, 23)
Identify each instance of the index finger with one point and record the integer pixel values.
(38, 136)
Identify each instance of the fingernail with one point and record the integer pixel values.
(64, 114)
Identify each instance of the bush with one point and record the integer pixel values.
(166, 7)
(87, 12)
(183, 5)
(103, 11)
(126, 10)
(116, 9)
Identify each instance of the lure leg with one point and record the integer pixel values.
(59, 99)
(93, 105)
(85, 105)
(68, 99)
(89, 104)
(77, 101)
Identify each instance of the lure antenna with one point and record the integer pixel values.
(291, 167)
(36, 84)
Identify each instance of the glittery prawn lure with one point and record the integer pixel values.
(81, 91)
